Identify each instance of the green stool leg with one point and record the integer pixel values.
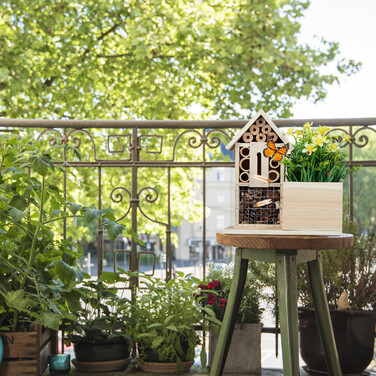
(288, 312)
(228, 324)
(323, 318)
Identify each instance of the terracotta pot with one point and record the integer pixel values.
(152, 363)
(163, 368)
(106, 366)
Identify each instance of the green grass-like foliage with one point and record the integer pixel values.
(316, 156)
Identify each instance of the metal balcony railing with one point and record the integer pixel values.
(139, 145)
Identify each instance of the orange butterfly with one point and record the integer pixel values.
(271, 150)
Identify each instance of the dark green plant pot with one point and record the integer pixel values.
(354, 332)
(86, 351)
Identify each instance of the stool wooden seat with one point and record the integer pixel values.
(286, 251)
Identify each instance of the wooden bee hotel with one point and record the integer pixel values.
(264, 202)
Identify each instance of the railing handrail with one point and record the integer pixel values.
(187, 124)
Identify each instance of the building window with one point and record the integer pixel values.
(220, 174)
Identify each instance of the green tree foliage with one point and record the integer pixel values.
(156, 59)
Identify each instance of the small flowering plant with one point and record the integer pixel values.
(316, 156)
(215, 296)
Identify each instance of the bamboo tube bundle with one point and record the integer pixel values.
(261, 137)
(254, 129)
(247, 137)
(266, 129)
(273, 136)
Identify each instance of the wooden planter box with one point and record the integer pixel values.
(314, 208)
(26, 353)
(244, 355)
(305, 209)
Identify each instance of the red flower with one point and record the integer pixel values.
(222, 302)
(211, 299)
(215, 284)
(203, 287)
(328, 173)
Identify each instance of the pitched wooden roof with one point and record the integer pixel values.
(261, 113)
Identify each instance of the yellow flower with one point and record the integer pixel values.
(309, 148)
(346, 138)
(290, 131)
(307, 126)
(323, 129)
(333, 147)
(320, 140)
(299, 132)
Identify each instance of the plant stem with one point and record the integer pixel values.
(35, 238)
(32, 250)
(65, 217)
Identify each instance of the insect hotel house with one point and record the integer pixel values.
(264, 202)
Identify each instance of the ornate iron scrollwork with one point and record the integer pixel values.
(121, 151)
(150, 198)
(159, 137)
(119, 198)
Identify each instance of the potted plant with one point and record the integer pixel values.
(244, 355)
(350, 283)
(165, 319)
(312, 194)
(317, 158)
(38, 269)
(99, 334)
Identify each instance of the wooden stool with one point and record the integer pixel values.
(286, 251)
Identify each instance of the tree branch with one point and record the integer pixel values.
(103, 35)
(114, 56)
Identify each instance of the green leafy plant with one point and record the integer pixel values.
(316, 156)
(165, 317)
(102, 314)
(38, 268)
(349, 270)
(215, 291)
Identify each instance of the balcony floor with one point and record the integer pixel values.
(196, 370)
